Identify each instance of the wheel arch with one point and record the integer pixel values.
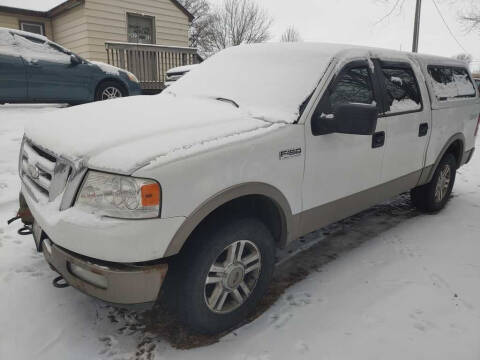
(265, 200)
(454, 145)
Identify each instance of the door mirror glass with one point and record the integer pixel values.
(354, 119)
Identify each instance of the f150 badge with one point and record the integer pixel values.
(287, 154)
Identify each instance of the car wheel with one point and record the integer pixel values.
(109, 90)
(433, 196)
(223, 274)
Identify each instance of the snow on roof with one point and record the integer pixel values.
(23, 33)
(33, 5)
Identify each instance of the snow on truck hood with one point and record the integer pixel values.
(263, 87)
(126, 134)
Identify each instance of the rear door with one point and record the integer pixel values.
(407, 117)
(13, 84)
(51, 74)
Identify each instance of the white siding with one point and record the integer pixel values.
(107, 21)
(70, 30)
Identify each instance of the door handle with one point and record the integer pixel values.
(423, 130)
(378, 139)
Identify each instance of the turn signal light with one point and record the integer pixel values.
(150, 195)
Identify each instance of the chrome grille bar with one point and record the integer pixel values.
(44, 175)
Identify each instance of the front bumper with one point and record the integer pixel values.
(107, 239)
(115, 283)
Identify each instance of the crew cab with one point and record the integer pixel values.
(189, 193)
(34, 69)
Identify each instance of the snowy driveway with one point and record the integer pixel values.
(387, 284)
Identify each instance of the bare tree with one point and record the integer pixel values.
(291, 35)
(236, 22)
(200, 9)
(472, 19)
(466, 58)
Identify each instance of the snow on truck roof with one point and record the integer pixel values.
(32, 5)
(272, 80)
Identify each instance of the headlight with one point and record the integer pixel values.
(119, 196)
(132, 77)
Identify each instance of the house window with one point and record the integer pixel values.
(141, 29)
(35, 28)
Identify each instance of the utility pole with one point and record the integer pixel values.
(416, 31)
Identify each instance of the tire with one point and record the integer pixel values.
(236, 286)
(109, 90)
(434, 196)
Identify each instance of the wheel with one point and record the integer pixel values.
(223, 274)
(109, 90)
(433, 196)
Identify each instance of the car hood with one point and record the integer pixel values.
(124, 135)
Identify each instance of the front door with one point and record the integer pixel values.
(340, 166)
(51, 74)
(13, 83)
(408, 123)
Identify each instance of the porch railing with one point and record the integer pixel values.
(149, 63)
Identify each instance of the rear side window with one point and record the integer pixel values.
(451, 82)
(402, 91)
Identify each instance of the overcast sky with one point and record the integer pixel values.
(353, 22)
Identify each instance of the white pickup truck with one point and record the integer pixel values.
(192, 191)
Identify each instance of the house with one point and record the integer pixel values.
(146, 37)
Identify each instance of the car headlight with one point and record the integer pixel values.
(119, 196)
(132, 77)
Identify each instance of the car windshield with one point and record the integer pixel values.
(270, 81)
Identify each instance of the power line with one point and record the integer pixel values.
(448, 27)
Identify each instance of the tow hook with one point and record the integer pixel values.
(25, 230)
(59, 282)
(25, 215)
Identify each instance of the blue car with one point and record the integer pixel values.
(33, 69)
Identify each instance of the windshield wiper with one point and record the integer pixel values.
(229, 101)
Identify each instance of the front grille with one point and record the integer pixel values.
(43, 174)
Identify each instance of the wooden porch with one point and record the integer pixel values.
(149, 63)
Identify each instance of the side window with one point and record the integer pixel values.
(463, 82)
(141, 29)
(353, 86)
(451, 82)
(33, 49)
(402, 92)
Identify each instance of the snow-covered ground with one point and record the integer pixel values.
(389, 283)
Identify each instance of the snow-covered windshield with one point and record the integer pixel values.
(270, 81)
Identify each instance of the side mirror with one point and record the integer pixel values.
(75, 60)
(354, 119)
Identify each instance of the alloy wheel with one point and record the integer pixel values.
(443, 183)
(232, 277)
(111, 92)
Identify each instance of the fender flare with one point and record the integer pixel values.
(428, 172)
(225, 196)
